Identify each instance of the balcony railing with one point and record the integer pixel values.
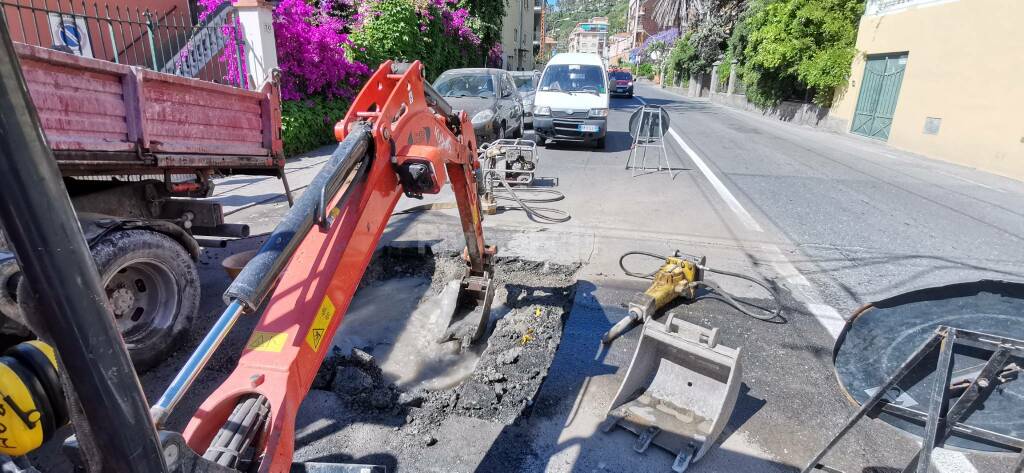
(881, 7)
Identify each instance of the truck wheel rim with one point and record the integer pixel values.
(144, 297)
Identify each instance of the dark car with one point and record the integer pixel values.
(620, 83)
(490, 99)
(526, 82)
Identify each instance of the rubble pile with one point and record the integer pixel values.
(358, 381)
(534, 297)
(513, 366)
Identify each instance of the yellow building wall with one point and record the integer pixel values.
(965, 65)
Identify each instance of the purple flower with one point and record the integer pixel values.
(668, 37)
(310, 49)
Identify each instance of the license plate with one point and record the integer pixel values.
(590, 128)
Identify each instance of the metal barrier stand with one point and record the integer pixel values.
(649, 134)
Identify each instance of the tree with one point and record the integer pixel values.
(790, 48)
(707, 25)
(617, 17)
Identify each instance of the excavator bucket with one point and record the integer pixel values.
(679, 390)
(466, 303)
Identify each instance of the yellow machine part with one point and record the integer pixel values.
(45, 349)
(17, 437)
(23, 399)
(673, 279)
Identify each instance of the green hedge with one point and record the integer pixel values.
(645, 70)
(793, 48)
(394, 32)
(309, 123)
(680, 60)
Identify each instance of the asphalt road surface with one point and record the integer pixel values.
(832, 221)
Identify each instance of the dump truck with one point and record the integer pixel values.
(138, 151)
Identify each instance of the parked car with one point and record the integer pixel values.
(526, 82)
(620, 83)
(572, 100)
(490, 99)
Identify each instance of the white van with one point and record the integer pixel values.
(572, 100)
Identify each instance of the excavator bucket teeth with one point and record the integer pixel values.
(466, 304)
(679, 390)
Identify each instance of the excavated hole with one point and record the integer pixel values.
(386, 364)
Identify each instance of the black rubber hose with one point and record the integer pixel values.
(537, 214)
(726, 298)
(556, 195)
(622, 263)
(543, 214)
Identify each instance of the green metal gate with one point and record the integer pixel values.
(879, 91)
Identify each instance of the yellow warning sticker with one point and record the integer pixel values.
(267, 341)
(318, 329)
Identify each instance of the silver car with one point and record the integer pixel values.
(490, 99)
(526, 82)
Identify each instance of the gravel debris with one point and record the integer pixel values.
(535, 298)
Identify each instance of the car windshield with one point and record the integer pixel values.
(573, 78)
(620, 75)
(465, 85)
(525, 84)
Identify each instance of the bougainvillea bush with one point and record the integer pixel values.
(495, 56)
(327, 48)
(309, 123)
(437, 32)
(311, 52)
(311, 44)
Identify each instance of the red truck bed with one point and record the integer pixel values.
(105, 118)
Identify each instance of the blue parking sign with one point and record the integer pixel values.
(70, 36)
(70, 33)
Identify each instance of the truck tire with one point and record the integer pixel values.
(11, 322)
(152, 285)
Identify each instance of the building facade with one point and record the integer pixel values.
(639, 21)
(520, 34)
(589, 37)
(619, 45)
(941, 78)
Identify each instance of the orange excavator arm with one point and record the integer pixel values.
(399, 136)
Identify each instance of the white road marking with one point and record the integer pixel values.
(954, 176)
(946, 461)
(723, 191)
(805, 293)
(949, 461)
(801, 289)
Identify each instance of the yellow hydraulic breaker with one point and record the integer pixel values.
(678, 276)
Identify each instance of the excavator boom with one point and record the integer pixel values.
(398, 137)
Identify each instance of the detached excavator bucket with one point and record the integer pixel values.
(679, 390)
(466, 304)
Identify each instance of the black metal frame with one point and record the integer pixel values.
(941, 420)
(42, 229)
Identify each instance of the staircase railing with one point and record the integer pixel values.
(205, 43)
(167, 41)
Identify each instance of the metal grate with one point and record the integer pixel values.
(168, 41)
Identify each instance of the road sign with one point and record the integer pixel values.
(70, 33)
